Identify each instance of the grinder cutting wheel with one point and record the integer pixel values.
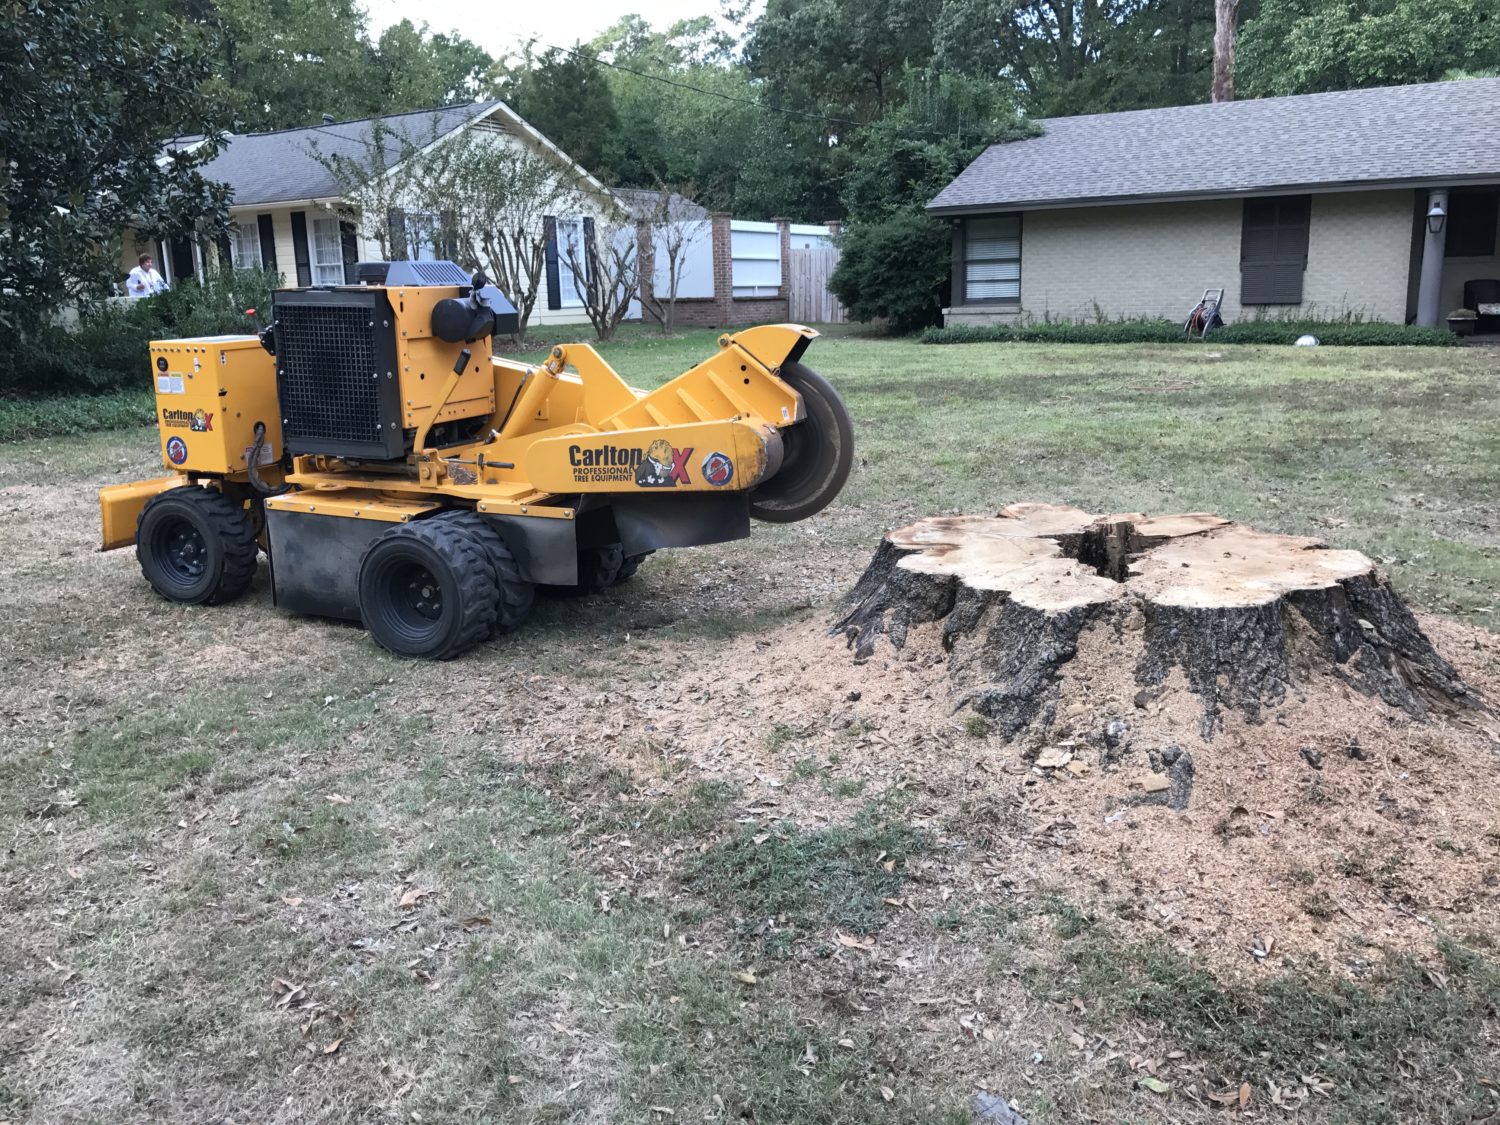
(817, 452)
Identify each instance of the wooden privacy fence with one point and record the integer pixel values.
(808, 298)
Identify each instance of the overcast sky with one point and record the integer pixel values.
(561, 22)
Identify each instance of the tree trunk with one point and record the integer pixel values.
(1239, 614)
(1226, 37)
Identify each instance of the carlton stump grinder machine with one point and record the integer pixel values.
(396, 473)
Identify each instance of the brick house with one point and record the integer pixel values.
(1378, 203)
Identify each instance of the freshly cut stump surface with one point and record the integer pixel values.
(1243, 617)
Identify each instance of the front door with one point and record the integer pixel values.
(181, 250)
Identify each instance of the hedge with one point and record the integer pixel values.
(23, 418)
(108, 349)
(1354, 333)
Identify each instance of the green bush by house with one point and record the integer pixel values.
(1352, 333)
(108, 349)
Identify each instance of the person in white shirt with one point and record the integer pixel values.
(144, 280)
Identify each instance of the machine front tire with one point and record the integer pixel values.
(196, 546)
(427, 590)
(630, 565)
(515, 594)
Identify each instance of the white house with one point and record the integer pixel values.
(289, 213)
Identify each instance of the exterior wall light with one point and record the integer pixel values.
(1436, 217)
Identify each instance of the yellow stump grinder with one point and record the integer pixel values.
(396, 473)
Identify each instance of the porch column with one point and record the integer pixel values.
(1430, 287)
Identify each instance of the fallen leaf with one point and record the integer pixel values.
(1244, 1094)
(414, 896)
(887, 1093)
(338, 799)
(291, 901)
(75, 872)
(746, 978)
(332, 1047)
(1155, 1085)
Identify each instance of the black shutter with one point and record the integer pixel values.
(226, 251)
(350, 243)
(395, 224)
(554, 280)
(267, 241)
(1273, 249)
(589, 251)
(299, 248)
(448, 248)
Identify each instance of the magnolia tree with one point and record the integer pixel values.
(676, 226)
(606, 268)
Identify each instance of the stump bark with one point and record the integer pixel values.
(1241, 614)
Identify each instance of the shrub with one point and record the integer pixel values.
(893, 268)
(1350, 333)
(109, 346)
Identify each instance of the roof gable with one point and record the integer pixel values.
(1438, 133)
(285, 166)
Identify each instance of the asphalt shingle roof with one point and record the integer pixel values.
(282, 166)
(1441, 133)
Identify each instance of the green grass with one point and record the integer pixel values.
(1306, 1021)
(798, 880)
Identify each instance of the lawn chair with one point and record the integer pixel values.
(1205, 315)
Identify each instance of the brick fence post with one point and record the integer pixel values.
(723, 243)
(784, 230)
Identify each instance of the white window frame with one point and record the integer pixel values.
(244, 244)
(993, 257)
(325, 271)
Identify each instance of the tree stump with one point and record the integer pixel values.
(1241, 614)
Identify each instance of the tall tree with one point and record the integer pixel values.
(93, 90)
(1084, 56)
(284, 63)
(566, 96)
(1226, 35)
(842, 58)
(416, 69)
(1307, 46)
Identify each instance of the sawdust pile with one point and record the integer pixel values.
(1334, 825)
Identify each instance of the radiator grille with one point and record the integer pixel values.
(332, 360)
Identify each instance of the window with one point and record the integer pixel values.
(327, 252)
(992, 260)
(1471, 224)
(1273, 249)
(244, 245)
(422, 229)
(570, 248)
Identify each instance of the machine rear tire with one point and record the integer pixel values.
(598, 569)
(515, 594)
(196, 546)
(427, 590)
(817, 453)
(631, 564)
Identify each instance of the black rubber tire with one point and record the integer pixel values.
(195, 546)
(515, 594)
(631, 564)
(598, 569)
(426, 590)
(817, 453)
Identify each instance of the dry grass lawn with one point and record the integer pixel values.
(258, 870)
